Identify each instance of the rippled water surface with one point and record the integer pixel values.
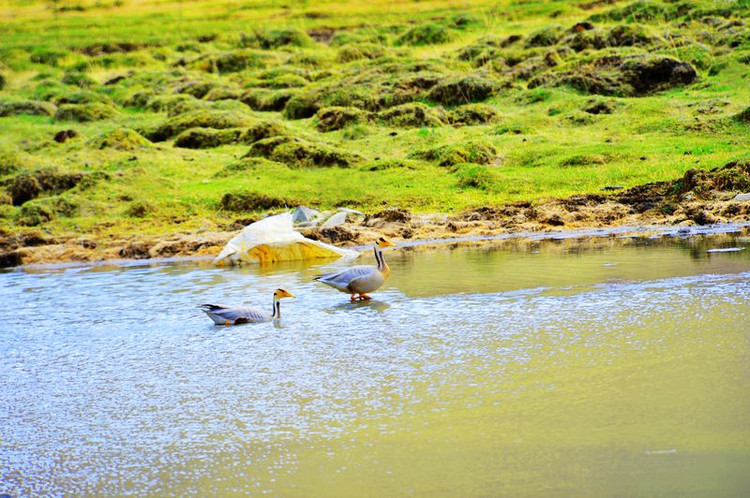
(555, 369)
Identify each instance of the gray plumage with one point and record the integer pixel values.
(235, 315)
(360, 279)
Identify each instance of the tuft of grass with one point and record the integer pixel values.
(476, 176)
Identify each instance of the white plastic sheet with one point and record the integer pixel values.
(274, 239)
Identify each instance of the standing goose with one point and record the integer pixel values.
(224, 315)
(359, 280)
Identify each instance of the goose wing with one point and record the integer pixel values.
(342, 278)
(235, 315)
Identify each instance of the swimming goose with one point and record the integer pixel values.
(361, 279)
(224, 315)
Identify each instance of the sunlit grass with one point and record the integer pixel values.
(547, 147)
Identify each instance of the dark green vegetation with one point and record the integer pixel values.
(140, 116)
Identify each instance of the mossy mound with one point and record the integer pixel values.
(645, 11)
(700, 184)
(472, 114)
(732, 177)
(80, 80)
(174, 105)
(248, 201)
(578, 118)
(265, 148)
(487, 48)
(463, 90)
(265, 129)
(48, 90)
(464, 152)
(628, 35)
(426, 34)
(84, 97)
(301, 153)
(11, 162)
(544, 37)
(744, 116)
(288, 80)
(51, 180)
(375, 87)
(23, 188)
(600, 106)
(624, 76)
(584, 160)
(47, 56)
(119, 139)
(261, 99)
(138, 99)
(233, 62)
(623, 35)
(275, 38)
(354, 52)
(208, 138)
(356, 36)
(470, 175)
(28, 186)
(196, 88)
(85, 112)
(302, 105)
(40, 211)
(249, 164)
(413, 115)
(218, 120)
(350, 96)
(336, 118)
(312, 155)
(386, 164)
(585, 40)
(222, 93)
(30, 107)
(139, 209)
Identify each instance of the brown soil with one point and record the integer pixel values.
(698, 198)
(35, 248)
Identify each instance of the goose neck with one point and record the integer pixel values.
(382, 265)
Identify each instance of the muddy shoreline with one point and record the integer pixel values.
(203, 247)
(698, 202)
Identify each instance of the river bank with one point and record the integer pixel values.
(698, 203)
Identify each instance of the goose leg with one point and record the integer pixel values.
(364, 297)
(353, 297)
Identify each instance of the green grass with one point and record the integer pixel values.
(547, 146)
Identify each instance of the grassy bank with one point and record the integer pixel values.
(193, 115)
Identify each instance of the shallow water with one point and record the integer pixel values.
(569, 368)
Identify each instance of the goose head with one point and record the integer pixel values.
(282, 293)
(382, 243)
